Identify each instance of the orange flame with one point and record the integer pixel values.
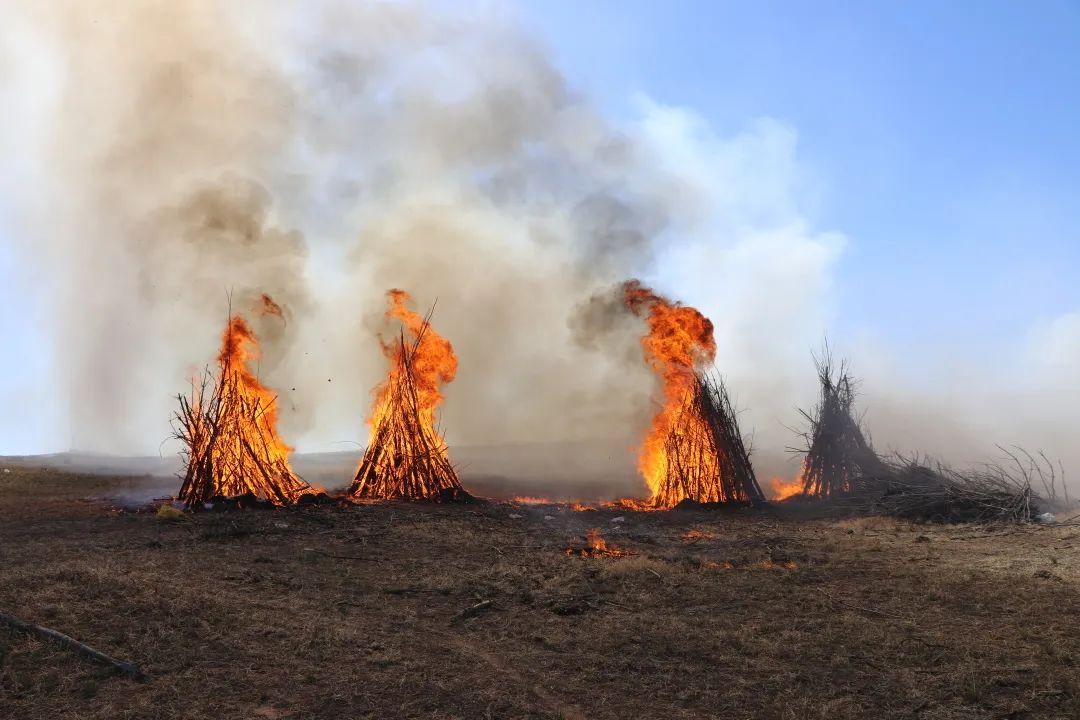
(596, 540)
(407, 456)
(782, 488)
(233, 447)
(596, 546)
(679, 341)
(238, 346)
(433, 364)
(696, 535)
(531, 500)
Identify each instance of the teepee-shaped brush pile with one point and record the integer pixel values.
(406, 456)
(707, 460)
(228, 428)
(693, 450)
(839, 459)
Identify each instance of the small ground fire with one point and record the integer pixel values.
(596, 547)
(407, 457)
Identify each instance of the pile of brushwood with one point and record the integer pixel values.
(839, 459)
(406, 457)
(1018, 489)
(231, 449)
(841, 465)
(707, 460)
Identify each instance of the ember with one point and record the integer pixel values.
(531, 500)
(406, 456)
(694, 449)
(596, 547)
(695, 535)
(231, 445)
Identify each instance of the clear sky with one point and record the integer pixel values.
(942, 139)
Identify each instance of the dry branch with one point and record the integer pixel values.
(471, 611)
(130, 670)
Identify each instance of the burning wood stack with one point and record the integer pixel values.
(694, 450)
(406, 456)
(839, 459)
(229, 430)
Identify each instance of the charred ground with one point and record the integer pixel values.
(347, 613)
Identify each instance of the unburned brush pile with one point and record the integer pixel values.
(992, 492)
(840, 464)
(839, 459)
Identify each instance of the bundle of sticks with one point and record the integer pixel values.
(406, 456)
(998, 491)
(230, 445)
(839, 458)
(706, 458)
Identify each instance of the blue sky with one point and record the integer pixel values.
(940, 138)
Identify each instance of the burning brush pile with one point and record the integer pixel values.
(228, 427)
(406, 456)
(694, 451)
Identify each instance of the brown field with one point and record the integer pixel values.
(354, 613)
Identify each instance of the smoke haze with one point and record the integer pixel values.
(174, 155)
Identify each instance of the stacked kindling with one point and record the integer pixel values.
(228, 428)
(839, 458)
(407, 457)
(706, 458)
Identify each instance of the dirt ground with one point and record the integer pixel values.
(357, 613)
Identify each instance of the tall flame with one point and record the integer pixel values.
(407, 455)
(239, 346)
(432, 363)
(679, 342)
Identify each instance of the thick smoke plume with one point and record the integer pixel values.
(173, 155)
(443, 155)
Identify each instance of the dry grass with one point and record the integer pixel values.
(251, 615)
